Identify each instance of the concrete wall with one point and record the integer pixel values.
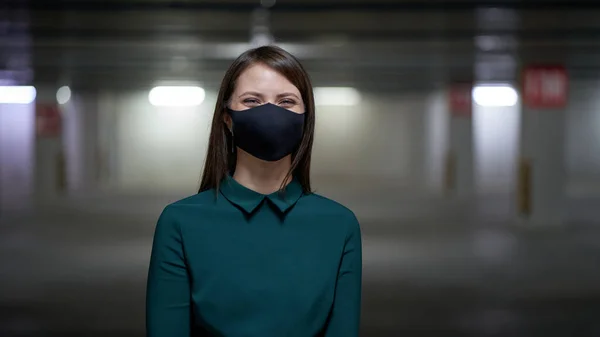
(159, 149)
(496, 145)
(118, 141)
(163, 149)
(380, 140)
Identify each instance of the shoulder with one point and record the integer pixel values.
(202, 199)
(330, 208)
(188, 206)
(205, 198)
(328, 205)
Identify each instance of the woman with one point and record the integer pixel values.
(255, 253)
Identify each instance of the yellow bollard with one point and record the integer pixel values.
(524, 187)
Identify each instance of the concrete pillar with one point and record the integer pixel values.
(107, 140)
(49, 170)
(542, 183)
(17, 146)
(437, 121)
(81, 141)
(417, 118)
(459, 166)
(461, 149)
(72, 130)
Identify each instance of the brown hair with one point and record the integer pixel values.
(220, 161)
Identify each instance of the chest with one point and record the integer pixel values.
(243, 266)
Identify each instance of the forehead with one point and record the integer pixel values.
(262, 78)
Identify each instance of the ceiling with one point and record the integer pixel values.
(382, 44)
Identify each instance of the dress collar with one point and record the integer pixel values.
(249, 200)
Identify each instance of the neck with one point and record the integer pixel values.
(258, 175)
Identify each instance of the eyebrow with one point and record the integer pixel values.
(254, 93)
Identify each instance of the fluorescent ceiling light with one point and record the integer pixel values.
(63, 95)
(495, 95)
(339, 96)
(17, 94)
(176, 96)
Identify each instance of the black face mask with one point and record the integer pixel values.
(268, 132)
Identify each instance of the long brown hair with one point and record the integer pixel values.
(220, 160)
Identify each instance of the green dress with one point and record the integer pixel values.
(242, 264)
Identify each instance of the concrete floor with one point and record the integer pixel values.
(431, 268)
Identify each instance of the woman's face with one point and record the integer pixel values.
(259, 84)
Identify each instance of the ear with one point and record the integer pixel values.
(227, 120)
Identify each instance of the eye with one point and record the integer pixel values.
(251, 101)
(288, 102)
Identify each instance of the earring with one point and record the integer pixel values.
(232, 141)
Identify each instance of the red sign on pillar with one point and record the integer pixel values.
(47, 120)
(461, 102)
(545, 87)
